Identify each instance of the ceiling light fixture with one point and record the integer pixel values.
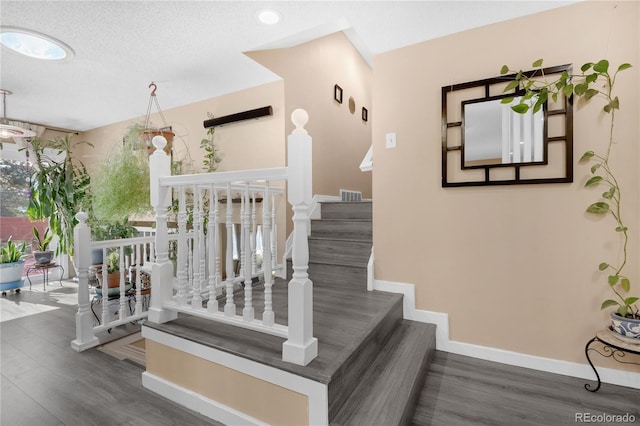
(8, 131)
(269, 17)
(34, 44)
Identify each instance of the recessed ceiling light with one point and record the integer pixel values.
(34, 44)
(269, 17)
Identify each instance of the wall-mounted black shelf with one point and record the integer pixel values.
(240, 116)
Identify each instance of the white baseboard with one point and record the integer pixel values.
(196, 402)
(550, 365)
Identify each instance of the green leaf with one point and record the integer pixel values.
(554, 96)
(624, 67)
(528, 95)
(593, 180)
(598, 208)
(625, 284)
(586, 66)
(568, 90)
(631, 300)
(512, 85)
(622, 229)
(622, 310)
(615, 103)
(587, 155)
(591, 78)
(609, 194)
(591, 93)
(607, 108)
(595, 167)
(608, 303)
(504, 70)
(537, 63)
(506, 100)
(601, 66)
(613, 279)
(520, 108)
(603, 266)
(580, 89)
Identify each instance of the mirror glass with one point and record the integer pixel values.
(493, 134)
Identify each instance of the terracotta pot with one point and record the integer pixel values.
(113, 280)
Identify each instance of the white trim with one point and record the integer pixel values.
(367, 162)
(316, 392)
(550, 365)
(196, 402)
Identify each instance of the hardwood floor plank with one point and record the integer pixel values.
(466, 391)
(17, 408)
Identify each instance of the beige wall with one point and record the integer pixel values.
(340, 139)
(259, 399)
(514, 267)
(244, 145)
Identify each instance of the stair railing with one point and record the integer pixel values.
(198, 290)
(110, 305)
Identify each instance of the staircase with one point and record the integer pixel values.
(380, 377)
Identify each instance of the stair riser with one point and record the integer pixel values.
(346, 253)
(346, 210)
(387, 393)
(353, 276)
(342, 229)
(348, 376)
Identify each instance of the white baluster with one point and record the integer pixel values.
(229, 307)
(84, 318)
(243, 247)
(301, 347)
(139, 250)
(216, 221)
(274, 233)
(198, 250)
(253, 234)
(268, 317)
(123, 284)
(105, 288)
(248, 311)
(212, 226)
(183, 249)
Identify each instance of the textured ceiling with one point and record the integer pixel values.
(194, 50)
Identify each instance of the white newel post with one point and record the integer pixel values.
(301, 347)
(161, 269)
(84, 318)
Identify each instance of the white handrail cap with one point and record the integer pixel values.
(299, 117)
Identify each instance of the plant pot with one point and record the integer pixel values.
(113, 280)
(11, 275)
(43, 257)
(626, 327)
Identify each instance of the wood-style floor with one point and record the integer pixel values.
(44, 382)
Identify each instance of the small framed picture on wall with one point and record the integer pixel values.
(365, 114)
(337, 93)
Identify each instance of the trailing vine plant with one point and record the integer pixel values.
(211, 157)
(595, 81)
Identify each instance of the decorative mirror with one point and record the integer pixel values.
(484, 142)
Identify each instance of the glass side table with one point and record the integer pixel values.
(613, 346)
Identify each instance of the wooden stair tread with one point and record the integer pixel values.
(387, 393)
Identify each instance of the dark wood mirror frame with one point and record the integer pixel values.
(455, 96)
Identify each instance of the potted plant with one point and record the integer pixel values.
(11, 266)
(113, 274)
(595, 81)
(58, 188)
(41, 251)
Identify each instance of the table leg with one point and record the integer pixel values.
(587, 386)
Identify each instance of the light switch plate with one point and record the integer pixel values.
(391, 140)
